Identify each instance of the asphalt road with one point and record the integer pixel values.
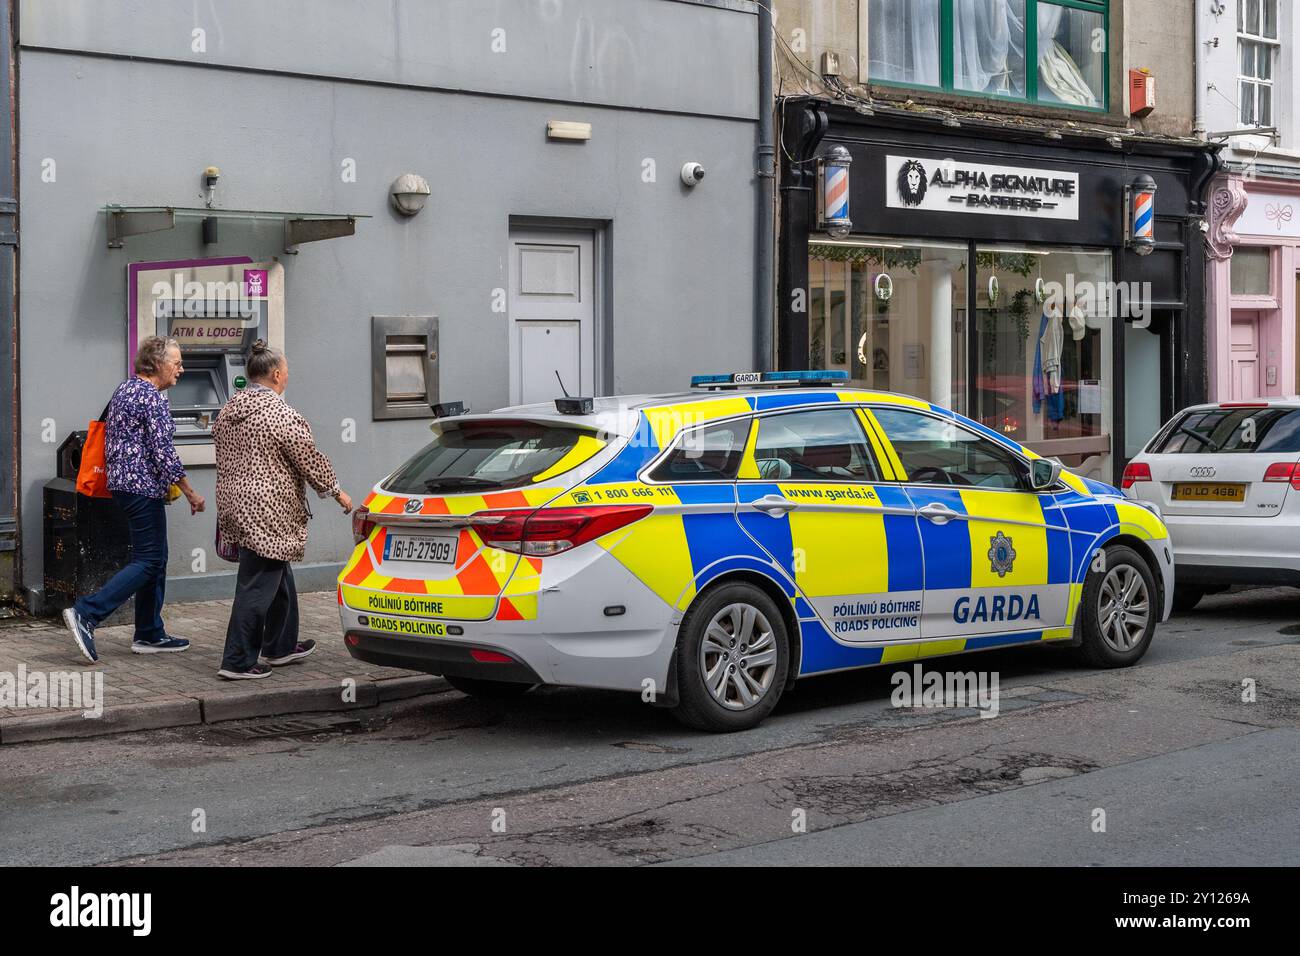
(1163, 763)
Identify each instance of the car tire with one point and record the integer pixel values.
(1186, 597)
(722, 627)
(1118, 610)
(490, 689)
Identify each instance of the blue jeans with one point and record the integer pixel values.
(146, 574)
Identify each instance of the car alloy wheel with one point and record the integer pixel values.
(1123, 608)
(738, 656)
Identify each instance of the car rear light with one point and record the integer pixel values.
(554, 530)
(490, 657)
(1284, 471)
(361, 524)
(1135, 471)
(1243, 405)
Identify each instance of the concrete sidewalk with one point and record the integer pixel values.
(142, 692)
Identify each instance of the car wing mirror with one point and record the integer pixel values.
(1044, 473)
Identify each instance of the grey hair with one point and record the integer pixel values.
(262, 360)
(151, 354)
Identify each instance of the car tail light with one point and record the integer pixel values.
(1284, 471)
(1135, 471)
(361, 524)
(553, 530)
(1243, 405)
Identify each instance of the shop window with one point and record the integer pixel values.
(1029, 50)
(1042, 344)
(891, 314)
(1257, 49)
(403, 366)
(1251, 271)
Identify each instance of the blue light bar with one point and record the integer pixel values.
(757, 379)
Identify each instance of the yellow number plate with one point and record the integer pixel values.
(1208, 491)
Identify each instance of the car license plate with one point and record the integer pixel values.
(438, 549)
(1209, 491)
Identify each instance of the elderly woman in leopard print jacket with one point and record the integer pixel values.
(265, 454)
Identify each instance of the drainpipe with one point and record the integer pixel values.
(764, 219)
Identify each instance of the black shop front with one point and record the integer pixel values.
(995, 269)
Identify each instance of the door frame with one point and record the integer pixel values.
(602, 319)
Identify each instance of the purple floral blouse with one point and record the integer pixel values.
(138, 441)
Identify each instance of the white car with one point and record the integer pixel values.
(1222, 476)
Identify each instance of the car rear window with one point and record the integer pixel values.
(489, 455)
(1231, 430)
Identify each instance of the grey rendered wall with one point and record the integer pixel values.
(141, 132)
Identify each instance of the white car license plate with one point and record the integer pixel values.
(438, 549)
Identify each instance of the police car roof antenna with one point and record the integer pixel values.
(561, 381)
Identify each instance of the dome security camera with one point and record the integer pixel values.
(692, 173)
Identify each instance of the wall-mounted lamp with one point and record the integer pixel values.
(1140, 215)
(565, 129)
(833, 196)
(209, 225)
(408, 193)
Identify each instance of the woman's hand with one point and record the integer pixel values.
(193, 497)
(344, 501)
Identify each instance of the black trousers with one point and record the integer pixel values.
(264, 617)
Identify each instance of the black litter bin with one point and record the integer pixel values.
(87, 540)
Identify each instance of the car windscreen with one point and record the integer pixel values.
(1215, 431)
(490, 455)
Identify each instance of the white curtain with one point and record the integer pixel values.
(1059, 76)
(989, 46)
(904, 41)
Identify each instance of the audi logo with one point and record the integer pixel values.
(1203, 471)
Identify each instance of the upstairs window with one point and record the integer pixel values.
(1257, 46)
(1031, 51)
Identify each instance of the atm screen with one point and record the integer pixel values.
(197, 388)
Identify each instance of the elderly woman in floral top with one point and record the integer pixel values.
(142, 466)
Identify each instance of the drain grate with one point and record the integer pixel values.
(289, 727)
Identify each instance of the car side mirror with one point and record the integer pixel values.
(1043, 473)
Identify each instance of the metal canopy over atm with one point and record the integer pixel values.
(299, 227)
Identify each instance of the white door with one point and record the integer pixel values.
(552, 314)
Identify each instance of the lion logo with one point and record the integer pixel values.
(911, 183)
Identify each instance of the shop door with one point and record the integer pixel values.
(1245, 359)
(552, 314)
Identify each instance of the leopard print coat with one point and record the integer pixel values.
(265, 452)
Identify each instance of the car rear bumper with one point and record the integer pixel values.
(1232, 548)
(433, 657)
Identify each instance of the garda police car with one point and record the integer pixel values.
(707, 549)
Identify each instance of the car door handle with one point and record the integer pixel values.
(775, 505)
(938, 513)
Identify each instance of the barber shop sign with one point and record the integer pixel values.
(946, 185)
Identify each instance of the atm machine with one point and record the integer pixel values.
(213, 345)
(215, 309)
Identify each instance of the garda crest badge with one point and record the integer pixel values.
(1001, 554)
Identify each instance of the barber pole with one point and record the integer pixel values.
(833, 204)
(1142, 215)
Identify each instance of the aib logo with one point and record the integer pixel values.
(911, 183)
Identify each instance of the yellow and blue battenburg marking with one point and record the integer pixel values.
(867, 580)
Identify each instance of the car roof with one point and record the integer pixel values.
(620, 413)
(1283, 401)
